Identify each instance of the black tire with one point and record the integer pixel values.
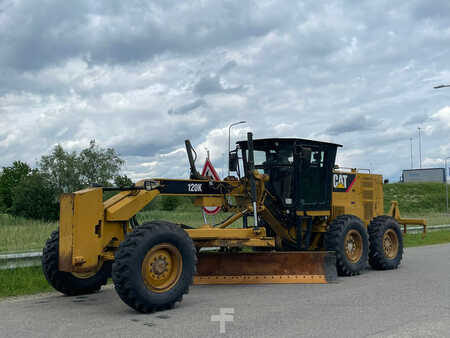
(131, 282)
(347, 263)
(66, 282)
(385, 256)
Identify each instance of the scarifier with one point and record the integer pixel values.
(304, 220)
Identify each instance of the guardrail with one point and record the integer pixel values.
(25, 259)
(20, 260)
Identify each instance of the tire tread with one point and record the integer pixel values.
(125, 258)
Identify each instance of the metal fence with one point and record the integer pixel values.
(19, 260)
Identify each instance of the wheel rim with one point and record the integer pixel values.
(86, 275)
(161, 268)
(353, 245)
(390, 244)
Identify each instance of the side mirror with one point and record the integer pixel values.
(232, 161)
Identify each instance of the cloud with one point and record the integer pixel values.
(120, 33)
(144, 76)
(185, 109)
(416, 119)
(443, 116)
(352, 124)
(228, 67)
(212, 85)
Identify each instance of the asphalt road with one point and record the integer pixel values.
(413, 301)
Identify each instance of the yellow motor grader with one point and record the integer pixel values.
(294, 218)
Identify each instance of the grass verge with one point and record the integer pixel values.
(23, 281)
(432, 237)
(19, 234)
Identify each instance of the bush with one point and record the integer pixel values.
(35, 197)
(122, 181)
(169, 203)
(9, 179)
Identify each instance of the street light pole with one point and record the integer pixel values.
(229, 139)
(420, 150)
(410, 140)
(446, 183)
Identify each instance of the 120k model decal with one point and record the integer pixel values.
(343, 182)
(194, 187)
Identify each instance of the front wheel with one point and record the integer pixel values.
(386, 243)
(71, 284)
(347, 236)
(154, 266)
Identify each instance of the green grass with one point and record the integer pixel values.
(19, 234)
(432, 219)
(23, 281)
(192, 217)
(416, 198)
(432, 237)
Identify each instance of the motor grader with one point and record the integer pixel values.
(294, 218)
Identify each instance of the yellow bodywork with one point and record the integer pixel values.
(91, 229)
(84, 232)
(364, 199)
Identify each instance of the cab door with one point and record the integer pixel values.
(312, 178)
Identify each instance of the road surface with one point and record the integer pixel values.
(413, 301)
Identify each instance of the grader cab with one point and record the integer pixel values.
(293, 217)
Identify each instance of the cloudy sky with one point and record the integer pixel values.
(142, 76)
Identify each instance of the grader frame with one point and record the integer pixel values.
(310, 221)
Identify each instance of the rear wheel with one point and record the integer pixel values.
(386, 243)
(71, 284)
(154, 266)
(347, 236)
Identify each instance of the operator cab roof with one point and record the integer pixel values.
(269, 142)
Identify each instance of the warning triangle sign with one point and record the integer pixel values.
(208, 170)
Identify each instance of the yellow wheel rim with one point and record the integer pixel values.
(86, 275)
(353, 245)
(390, 244)
(161, 268)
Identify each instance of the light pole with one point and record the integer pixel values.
(420, 150)
(446, 183)
(410, 140)
(229, 139)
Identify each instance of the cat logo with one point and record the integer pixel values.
(343, 182)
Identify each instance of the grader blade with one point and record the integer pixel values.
(266, 268)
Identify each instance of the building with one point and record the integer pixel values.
(424, 175)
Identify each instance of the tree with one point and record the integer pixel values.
(122, 181)
(9, 179)
(62, 169)
(35, 197)
(70, 172)
(98, 165)
(35, 193)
